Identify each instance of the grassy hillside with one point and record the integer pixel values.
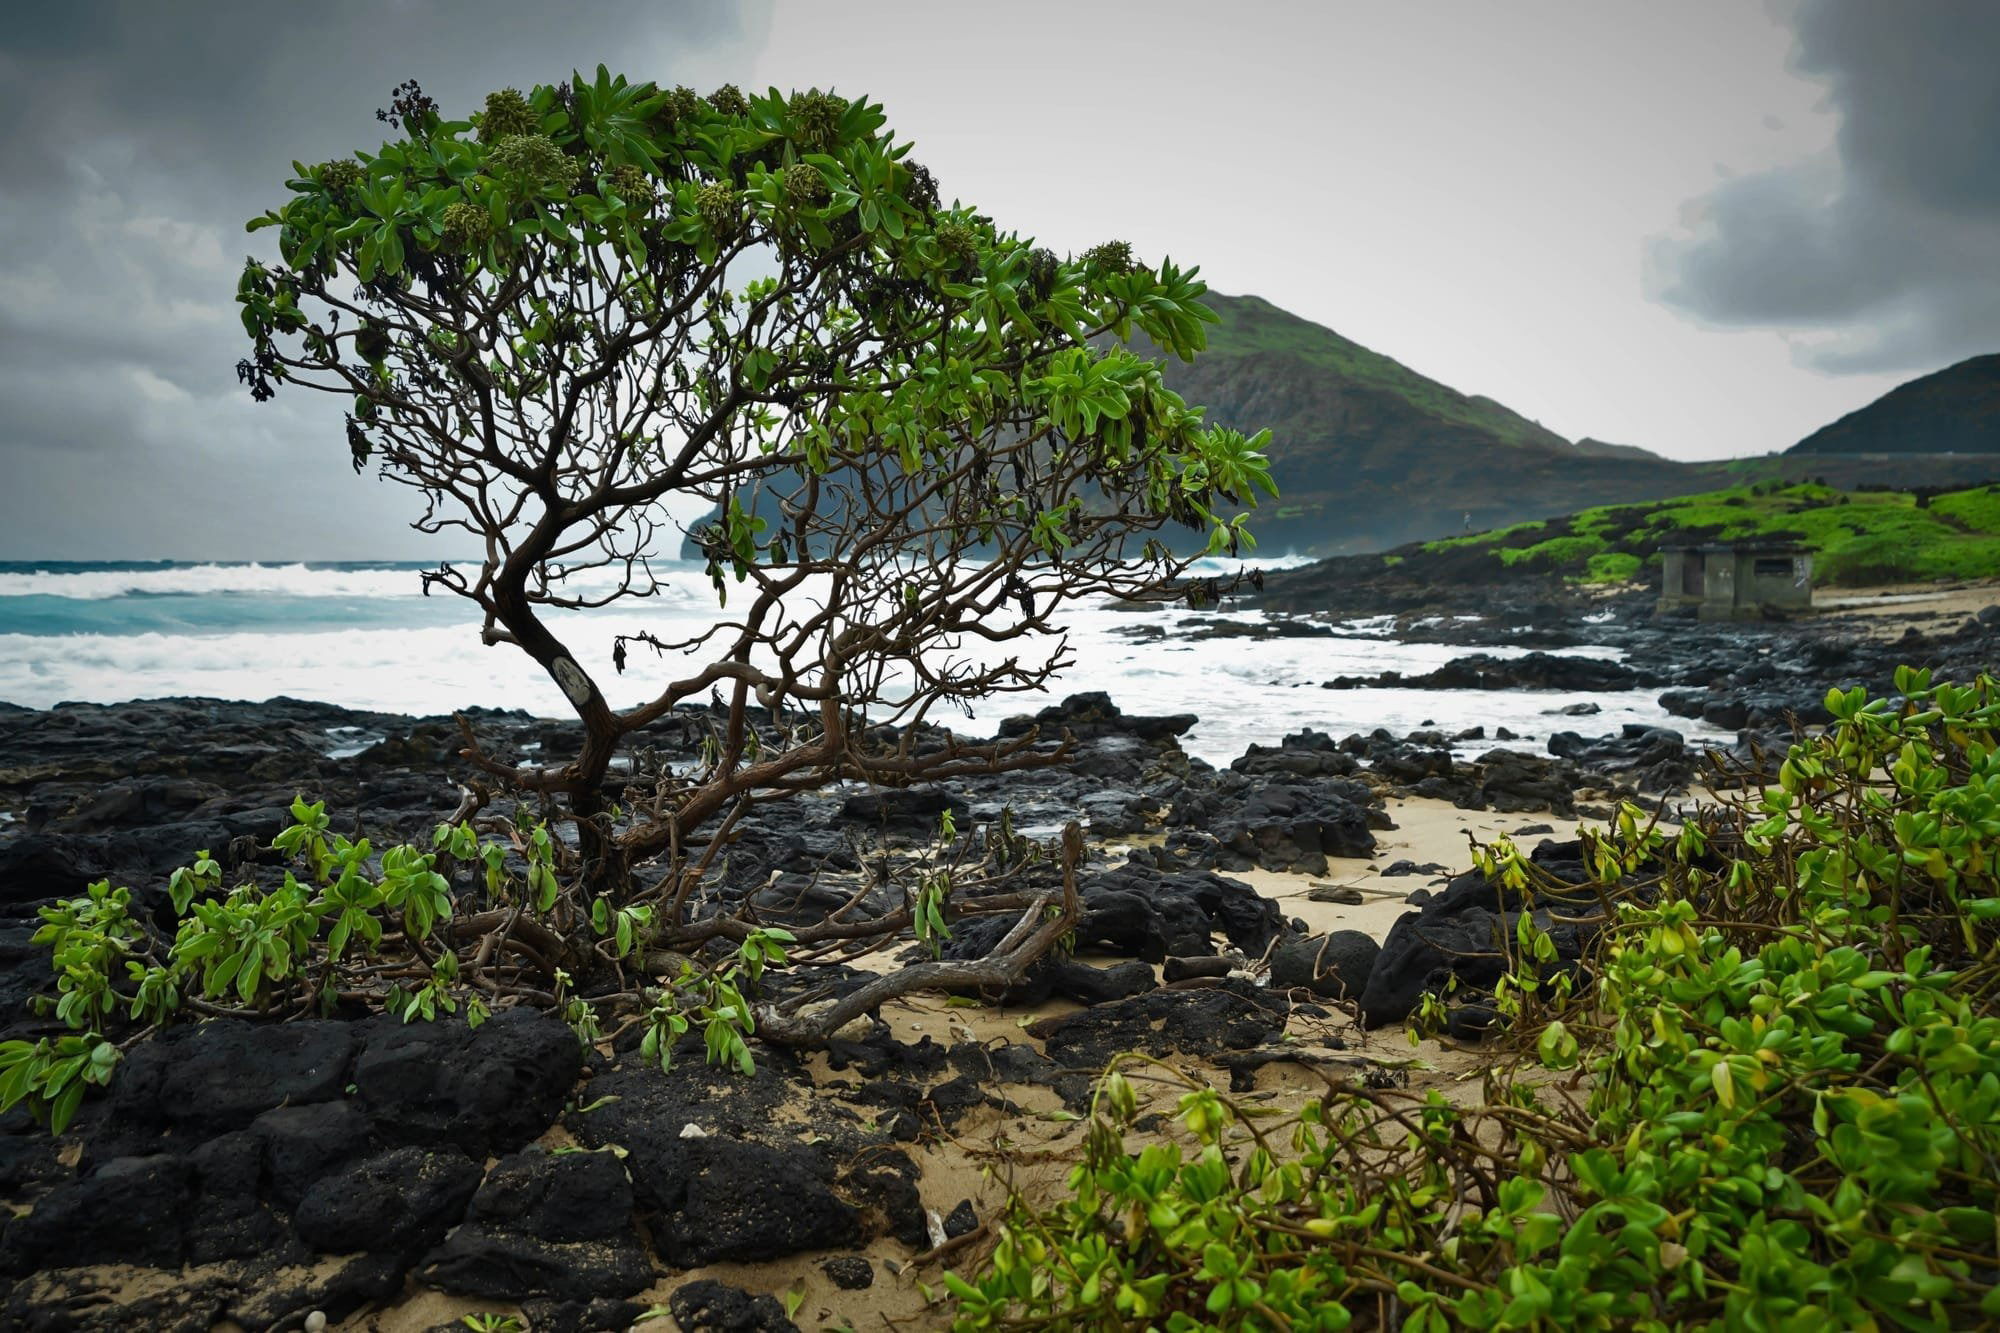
(1253, 327)
(1368, 454)
(1857, 537)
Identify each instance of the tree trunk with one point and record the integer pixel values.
(604, 866)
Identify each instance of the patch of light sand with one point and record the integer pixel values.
(1427, 832)
(1886, 612)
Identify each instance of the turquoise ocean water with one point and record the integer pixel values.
(362, 634)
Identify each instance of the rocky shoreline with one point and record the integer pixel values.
(257, 1174)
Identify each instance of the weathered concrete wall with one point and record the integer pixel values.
(1781, 581)
(1735, 583)
(1675, 568)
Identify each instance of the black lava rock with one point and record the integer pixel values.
(747, 1201)
(221, 1075)
(392, 1202)
(133, 1210)
(1198, 1022)
(553, 1226)
(483, 1090)
(710, 1307)
(1468, 932)
(911, 809)
(1531, 671)
(1281, 824)
(1142, 912)
(1650, 758)
(302, 1145)
(849, 1272)
(1336, 966)
(961, 1221)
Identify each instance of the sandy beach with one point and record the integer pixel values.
(1889, 610)
(1032, 1143)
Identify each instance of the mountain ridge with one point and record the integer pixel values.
(1369, 454)
(1955, 410)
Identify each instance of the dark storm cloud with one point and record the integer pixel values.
(1885, 254)
(139, 138)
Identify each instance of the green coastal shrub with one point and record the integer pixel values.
(1612, 567)
(870, 405)
(1776, 1108)
(1858, 537)
(599, 322)
(1554, 553)
(471, 923)
(479, 919)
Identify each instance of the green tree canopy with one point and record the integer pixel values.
(591, 307)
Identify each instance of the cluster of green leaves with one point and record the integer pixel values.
(931, 907)
(305, 944)
(932, 320)
(484, 1322)
(716, 999)
(1792, 1052)
(51, 1073)
(933, 898)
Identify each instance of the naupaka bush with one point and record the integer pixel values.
(1789, 1045)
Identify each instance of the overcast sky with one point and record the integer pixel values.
(1705, 228)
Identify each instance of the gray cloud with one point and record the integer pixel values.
(139, 138)
(1884, 253)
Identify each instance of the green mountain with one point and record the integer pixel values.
(1368, 453)
(1952, 411)
(1252, 329)
(1604, 449)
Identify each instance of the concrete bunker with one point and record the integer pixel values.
(1745, 580)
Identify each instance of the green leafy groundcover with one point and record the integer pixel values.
(1857, 537)
(360, 929)
(1776, 1107)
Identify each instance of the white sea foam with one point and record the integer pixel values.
(1214, 566)
(213, 580)
(678, 580)
(1243, 690)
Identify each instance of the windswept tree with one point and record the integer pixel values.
(920, 436)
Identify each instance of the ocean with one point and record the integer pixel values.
(363, 635)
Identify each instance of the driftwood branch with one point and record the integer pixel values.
(473, 797)
(1032, 936)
